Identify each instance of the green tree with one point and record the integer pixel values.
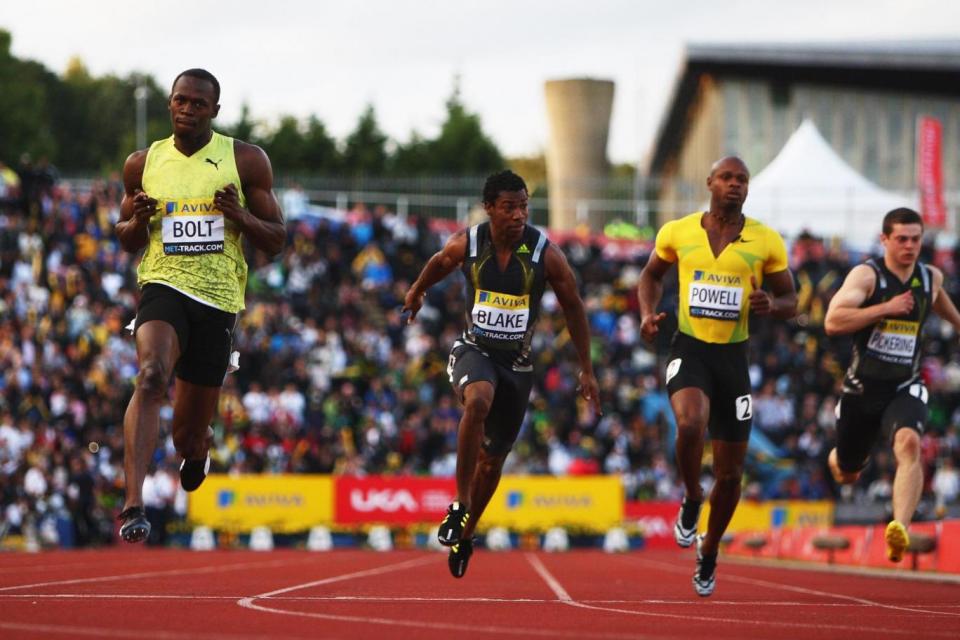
(27, 89)
(285, 146)
(365, 149)
(462, 147)
(320, 155)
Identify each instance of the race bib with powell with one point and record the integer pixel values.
(500, 316)
(716, 296)
(191, 227)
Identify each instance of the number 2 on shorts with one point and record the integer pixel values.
(744, 407)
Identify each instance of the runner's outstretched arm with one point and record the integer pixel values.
(438, 267)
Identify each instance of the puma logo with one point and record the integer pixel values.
(216, 164)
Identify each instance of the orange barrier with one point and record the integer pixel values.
(867, 547)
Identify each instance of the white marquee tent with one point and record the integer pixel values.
(808, 187)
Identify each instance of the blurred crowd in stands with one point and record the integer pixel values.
(332, 381)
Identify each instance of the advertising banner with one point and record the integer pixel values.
(535, 502)
(775, 514)
(930, 171)
(284, 503)
(392, 500)
(655, 518)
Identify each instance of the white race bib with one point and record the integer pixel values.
(192, 226)
(894, 340)
(714, 301)
(500, 316)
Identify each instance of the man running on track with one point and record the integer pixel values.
(722, 258)
(884, 303)
(507, 264)
(188, 199)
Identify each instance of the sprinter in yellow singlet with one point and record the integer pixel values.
(723, 259)
(188, 199)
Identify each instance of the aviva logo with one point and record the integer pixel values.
(502, 300)
(191, 206)
(523, 249)
(715, 278)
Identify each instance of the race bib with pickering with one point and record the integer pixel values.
(500, 316)
(191, 227)
(894, 340)
(715, 295)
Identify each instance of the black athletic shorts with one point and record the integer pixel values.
(204, 332)
(862, 417)
(721, 371)
(511, 394)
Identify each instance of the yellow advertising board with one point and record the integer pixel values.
(284, 503)
(763, 516)
(537, 502)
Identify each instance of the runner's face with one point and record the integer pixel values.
(728, 183)
(508, 214)
(903, 243)
(192, 106)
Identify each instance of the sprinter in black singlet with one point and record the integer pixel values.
(884, 303)
(507, 263)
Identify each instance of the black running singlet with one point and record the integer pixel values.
(888, 352)
(502, 306)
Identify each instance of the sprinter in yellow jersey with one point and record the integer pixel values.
(722, 259)
(188, 199)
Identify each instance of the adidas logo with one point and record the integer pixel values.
(523, 249)
(915, 282)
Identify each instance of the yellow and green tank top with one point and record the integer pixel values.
(192, 247)
(714, 289)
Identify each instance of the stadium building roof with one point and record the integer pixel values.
(928, 67)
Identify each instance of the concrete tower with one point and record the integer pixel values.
(579, 115)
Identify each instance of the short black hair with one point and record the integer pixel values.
(505, 180)
(201, 74)
(903, 215)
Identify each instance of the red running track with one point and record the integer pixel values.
(238, 595)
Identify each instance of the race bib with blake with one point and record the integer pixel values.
(500, 316)
(894, 341)
(191, 227)
(715, 295)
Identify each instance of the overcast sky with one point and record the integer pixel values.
(333, 58)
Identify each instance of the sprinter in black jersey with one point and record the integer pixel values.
(507, 264)
(884, 303)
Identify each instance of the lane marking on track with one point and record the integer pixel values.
(213, 568)
(352, 599)
(805, 590)
(248, 603)
(105, 632)
(564, 598)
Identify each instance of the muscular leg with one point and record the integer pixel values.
(728, 460)
(477, 398)
(839, 475)
(157, 351)
(484, 485)
(193, 409)
(908, 482)
(692, 410)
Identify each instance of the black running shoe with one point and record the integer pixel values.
(685, 531)
(451, 529)
(459, 557)
(135, 527)
(705, 577)
(193, 473)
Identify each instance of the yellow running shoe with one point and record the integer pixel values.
(897, 540)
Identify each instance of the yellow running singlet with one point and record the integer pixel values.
(714, 290)
(192, 247)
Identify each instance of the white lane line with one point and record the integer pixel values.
(398, 599)
(248, 603)
(552, 582)
(535, 561)
(804, 590)
(215, 568)
(139, 632)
